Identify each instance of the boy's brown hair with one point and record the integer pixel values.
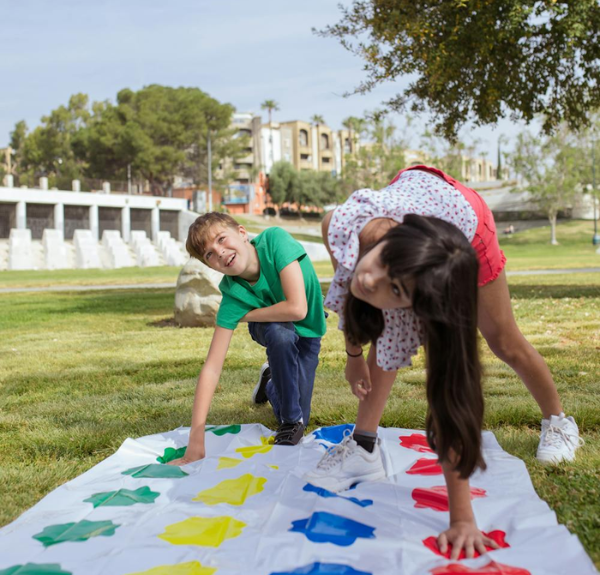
(200, 230)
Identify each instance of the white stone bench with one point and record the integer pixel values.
(20, 254)
(171, 249)
(55, 250)
(145, 252)
(87, 255)
(117, 250)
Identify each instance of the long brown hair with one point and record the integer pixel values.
(444, 266)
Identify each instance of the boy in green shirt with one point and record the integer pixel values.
(270, 283)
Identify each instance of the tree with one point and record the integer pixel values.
(17, 141)
(317, 188)
(378, 160)
(479, 59)
(49, 149)
(317, 120)
(270, 106)
(160, 132)
(355, 127)
(284, 184)
(552, 169)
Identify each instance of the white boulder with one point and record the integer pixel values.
(197, 297)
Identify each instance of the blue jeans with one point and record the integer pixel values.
(293, 361)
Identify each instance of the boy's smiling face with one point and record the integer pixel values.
(227, 250)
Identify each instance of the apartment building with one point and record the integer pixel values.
(478, 170)
(306, 146)
(246, 193)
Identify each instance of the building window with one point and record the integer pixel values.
(303, 138)
(243, 132)
(326, 160)
(305, 157)
(347, 146)
(324, 142)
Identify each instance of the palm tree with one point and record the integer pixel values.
(270, 106)
(354, 126)
(317, 120)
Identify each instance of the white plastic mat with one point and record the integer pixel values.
(245, 509)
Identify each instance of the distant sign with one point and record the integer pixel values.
(199, 202)
(237, 194)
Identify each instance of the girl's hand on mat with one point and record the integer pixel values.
(358, 376)
(464, 535)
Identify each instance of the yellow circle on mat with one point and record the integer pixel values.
(232, 491)
(191, 568)
(203, 531)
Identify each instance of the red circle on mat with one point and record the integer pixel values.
(425, 466)
(436, 498)
(492, 568)
(416, 441)
(497, 536)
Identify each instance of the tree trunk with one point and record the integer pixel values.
(552, 217)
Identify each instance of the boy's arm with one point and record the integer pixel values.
(205, 389)
(463, 532)
(294, 307)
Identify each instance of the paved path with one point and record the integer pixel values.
(322, 280)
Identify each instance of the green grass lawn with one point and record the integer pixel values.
(82, 371)
(531, 249)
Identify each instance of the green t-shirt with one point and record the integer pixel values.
(276, 249)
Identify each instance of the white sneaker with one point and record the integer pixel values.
(559, 439)
(345, 464)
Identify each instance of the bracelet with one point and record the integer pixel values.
(354, 355)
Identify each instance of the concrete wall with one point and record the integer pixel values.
(67, 211)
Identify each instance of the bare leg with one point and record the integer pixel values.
(371, 408)
(498, 327)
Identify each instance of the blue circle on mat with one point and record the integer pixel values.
(334, 433)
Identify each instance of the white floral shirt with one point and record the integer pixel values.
(415, 192)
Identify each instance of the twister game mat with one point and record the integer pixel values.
(245, 509)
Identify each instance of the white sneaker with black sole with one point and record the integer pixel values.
(559, 439)
(345, 464)
(259, 395)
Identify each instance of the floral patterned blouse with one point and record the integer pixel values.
(415, 192)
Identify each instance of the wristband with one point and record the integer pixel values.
(354, 355)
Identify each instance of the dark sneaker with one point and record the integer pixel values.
(289, 433)
(259, 395)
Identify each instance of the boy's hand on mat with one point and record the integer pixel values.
(190, 456)
(358, 376)
(464, 535)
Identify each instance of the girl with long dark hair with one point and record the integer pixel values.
(418, 263)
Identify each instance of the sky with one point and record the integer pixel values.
(238, 51)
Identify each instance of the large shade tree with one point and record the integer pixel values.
(479, 60)
(160, 132)
(49, 150)
(157, 132)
